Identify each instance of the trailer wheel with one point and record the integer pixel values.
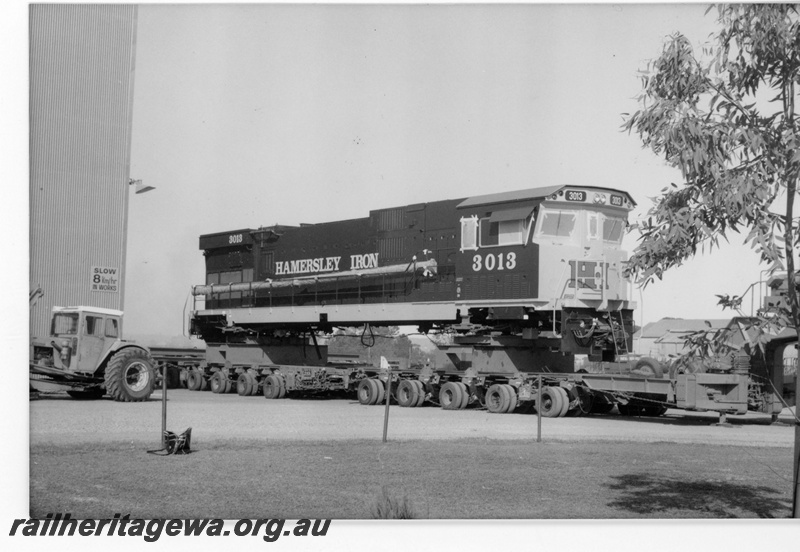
(407, 393)
(217, 383)
(367, 392)
(380, 390)
(272, 387)
(564, 401)
(193, 380)
(253, 383)
(129, 376)
(451, 396)
(422, 393)
(466, 393)
(243, 385)
(229, 385)
(496, 399)
(90, 394)
(649, 368)
(552, 402)
(511, 398)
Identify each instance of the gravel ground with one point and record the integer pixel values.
(58, 419)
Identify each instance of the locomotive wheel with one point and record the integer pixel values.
(243, 385)
(565, 401)
(367, 392)
(552, 402)
(511, 398)
(496, 399)
(407, 393)
(467, 394)
(130, 376)
(421, 392)
(451, 395)
(272, 387)
(649, 368)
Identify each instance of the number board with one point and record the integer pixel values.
(616, 200)
(575, 195)
(227, 239)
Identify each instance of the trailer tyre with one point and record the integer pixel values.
(511, 398)
(649, 368)
(421, 392)
(218, 383)
(129, 376)
(497, 399)
(552, 402)
(451, 395)
(193, 380)
(564, 401)
(367, 392)
(407, 394)
(243, 385)
(272, 387)
(467, 394)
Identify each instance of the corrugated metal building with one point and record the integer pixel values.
(81, 99)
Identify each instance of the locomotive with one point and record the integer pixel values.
(544, 264)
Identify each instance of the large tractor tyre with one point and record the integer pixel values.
(87, 394)
(130, 376)
(451, 395)
(367, 392)
(511, 398)
(467, 395)
(496, 399)
(407, 394)
(243, 385)
(552, 402)
(649, 368)
(218, 383)
(422, 393)
(272, 387)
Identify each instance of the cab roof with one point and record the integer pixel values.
(532, 194)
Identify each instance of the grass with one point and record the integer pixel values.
(469, 479)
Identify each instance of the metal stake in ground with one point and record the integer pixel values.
(539, 412)
(164, 406)
(388, 368)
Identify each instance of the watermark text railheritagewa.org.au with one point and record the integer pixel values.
(269, 530)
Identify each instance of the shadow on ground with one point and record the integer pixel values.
(654, 496)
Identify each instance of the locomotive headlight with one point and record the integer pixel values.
(600, 198)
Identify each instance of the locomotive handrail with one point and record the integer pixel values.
(206, 289)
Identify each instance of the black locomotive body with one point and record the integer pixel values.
(544, 264)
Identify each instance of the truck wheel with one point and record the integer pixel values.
(649, 368)
(87, 394)
(552, 402)
(564, 400)
(367, 392)
(451, 396)
(272, 387)
(243, 385)
(381, 391)
(496, 399)
(129, 376)
(192, 381)
(407, 393)
(217, 383)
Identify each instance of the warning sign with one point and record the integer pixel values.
(105, 278)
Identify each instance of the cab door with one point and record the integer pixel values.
(92, 342)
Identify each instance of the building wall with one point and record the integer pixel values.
(81, 99)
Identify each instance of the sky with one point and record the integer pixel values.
(260, 114)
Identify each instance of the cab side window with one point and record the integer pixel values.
(112, 327)
(94, 325)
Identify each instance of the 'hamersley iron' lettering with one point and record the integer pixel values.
(324, 264)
